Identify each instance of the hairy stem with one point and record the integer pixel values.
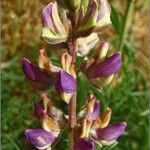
(72, 120)
(72, 111)
(72, 104)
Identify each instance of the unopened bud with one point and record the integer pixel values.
(88, 22)
(102, 52)
(86, 44)
(53, 30)
(103, 18)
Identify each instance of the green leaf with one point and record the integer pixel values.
(116, 20)
(13, 142)
(111, 146)
(62, 141)
(83, 91)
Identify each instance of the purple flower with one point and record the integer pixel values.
(84, 144)
(96, 129)
(93, 108)
(38, 77)
(39, 110)
(40, 138)
(94, 115)
(65, 82)
(47, 75)
(108, 67)
(103, 136)
(111, 132)
(100, 71)
(49, 115)
(65, 85)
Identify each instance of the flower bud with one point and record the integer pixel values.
(38, 77)
(88, 20)
(86, 44)
(102, 52)
(99, 72)
(53, 31)
(99, 55)
(93, 19)
(103, 18)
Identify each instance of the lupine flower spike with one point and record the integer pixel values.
(73, 25)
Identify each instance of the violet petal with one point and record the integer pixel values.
(91, 14)
(47, 16)
(65, 82)
(40, 78)
(111, 132)
(39, 110)
(40, 138)
(84, 144)
(53, 30)
(108, 67)
(96, 111)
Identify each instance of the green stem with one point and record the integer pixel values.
(124, 31)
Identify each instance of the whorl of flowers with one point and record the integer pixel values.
(75, 26)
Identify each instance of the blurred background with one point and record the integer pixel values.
(127, 95)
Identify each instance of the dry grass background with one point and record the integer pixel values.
(21, 27)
